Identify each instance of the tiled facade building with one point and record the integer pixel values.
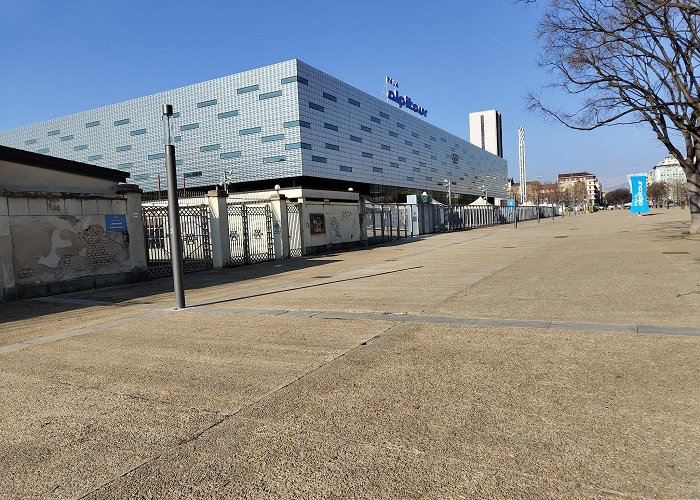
(287, 124)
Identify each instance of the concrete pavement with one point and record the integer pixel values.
(556, 360)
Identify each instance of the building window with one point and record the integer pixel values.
(46, 150)
(432, 138)
(197, 173)
(383, 115)
(433, 157)
(316, 107)
(401, 158)
(205, 104)
(319, 159)
(176, 114)
(355, 138)
(230, 154)
(30, 141)
(92, 124)
(442, 139)
(270, 95)
(375, 119)
(142, 177)
(400, 125)
(123, 121)
(427, 178)
(210, 147)
(332, 146)
(367, 155)
(94, 157)
(377, 169)
(353, 102)
(292, 79)
(297, 145)
(345, 169)
(331, 127)
(272, 138)
(53, 132)
(140, 131)
(422, 163)
(415, 152)
(297, 123)
(408, 143)
(156, 156)
(365, 129)
(434, 170)
(121, 149)
(416, 169)
(80, 148)
(428, 146)
(249, 88)
(393, 134)
(248, 131)
(227, 114)
(393, 164)
(125, 166)
(177, 138)
(67, 137)
(385, 147)
(411, 179)
(189, 126)
(414, 134)
(330, 97)
(274, 159)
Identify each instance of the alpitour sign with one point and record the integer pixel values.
(406, 101)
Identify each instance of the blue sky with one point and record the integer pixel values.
(452, 57)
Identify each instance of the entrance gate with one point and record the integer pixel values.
(250, 234)
(196, 239)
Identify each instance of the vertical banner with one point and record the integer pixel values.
(639, 194)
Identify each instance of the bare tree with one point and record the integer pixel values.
(658, 193)
(619, 196)
(629, 62)
(678, 192)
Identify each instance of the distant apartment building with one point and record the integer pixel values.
(668, 170)
(486, 131)
(594, 191)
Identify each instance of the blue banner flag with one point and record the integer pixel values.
(639, 194)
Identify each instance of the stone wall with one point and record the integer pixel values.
(57, 242)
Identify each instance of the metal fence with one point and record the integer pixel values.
(294, 226)
(250, 233)
(389, 221)
(196, 239)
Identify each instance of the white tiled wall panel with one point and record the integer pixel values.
(417, 156)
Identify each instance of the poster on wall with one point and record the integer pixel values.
(318, 223)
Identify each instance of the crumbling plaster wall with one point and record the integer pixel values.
(53, 243)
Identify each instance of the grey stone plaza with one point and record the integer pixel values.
(559, 359)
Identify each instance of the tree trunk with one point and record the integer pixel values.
(694, 202)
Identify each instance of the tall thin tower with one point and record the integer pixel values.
(521, 156)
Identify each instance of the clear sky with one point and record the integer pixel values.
(451, 57)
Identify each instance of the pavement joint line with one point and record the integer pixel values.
(478, 322)
(267, 395)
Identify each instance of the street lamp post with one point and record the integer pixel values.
(448, 184)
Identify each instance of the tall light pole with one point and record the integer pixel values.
(173, 209)
(448, 185)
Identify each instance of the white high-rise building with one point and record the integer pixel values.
(485, 131)
(668, 170)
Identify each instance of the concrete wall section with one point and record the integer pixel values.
(51, 244)
(339, 226)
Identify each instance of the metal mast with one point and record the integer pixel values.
(521, 156)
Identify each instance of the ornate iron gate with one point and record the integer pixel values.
(294, 224)
(196, 239)
(250, 234)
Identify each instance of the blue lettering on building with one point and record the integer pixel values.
(406, 101)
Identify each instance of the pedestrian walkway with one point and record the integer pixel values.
(558, 359)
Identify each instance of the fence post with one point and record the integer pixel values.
(280, 226)
(218, 220)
